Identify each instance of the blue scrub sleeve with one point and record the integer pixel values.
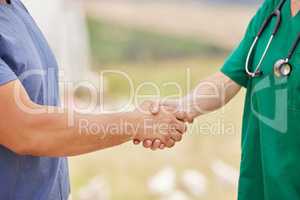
(6, 74)
(234, 66)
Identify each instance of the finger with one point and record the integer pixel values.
(180, 126)
(136, 142)
(170, 143)
(155, 144)
(185, 117)
(177, 137)
(180, 115)
(155, 107)
(162, 146)
(190, 119)
(147, 143)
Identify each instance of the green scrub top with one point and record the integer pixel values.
(270, 161)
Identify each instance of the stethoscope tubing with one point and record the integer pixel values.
(294, 47)
(276, 13)
(256, 71)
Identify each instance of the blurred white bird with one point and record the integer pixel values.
(96, 189)
(176, 195)
(225, 173)
(163, 183)
(194, 182)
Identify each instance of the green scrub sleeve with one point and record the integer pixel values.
(234, 66)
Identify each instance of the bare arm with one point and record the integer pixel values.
(50, 134)
(211, 94)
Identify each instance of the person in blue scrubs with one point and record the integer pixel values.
(34, 147)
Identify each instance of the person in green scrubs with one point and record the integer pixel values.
(270, 161)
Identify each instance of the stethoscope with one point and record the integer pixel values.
(282, 67)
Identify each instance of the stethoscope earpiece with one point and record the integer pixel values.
(282, 68)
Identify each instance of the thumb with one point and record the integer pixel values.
(182, 116)
(190, 119)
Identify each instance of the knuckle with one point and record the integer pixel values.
(168, 136)
(177, 134)
(179, 122)
(146, 144)
(157, 143)
(171, 143)
(168, 145)
(183, 126)
(170, 133)
(178, 138)
(181, 114)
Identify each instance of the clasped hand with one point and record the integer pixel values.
(166, 124)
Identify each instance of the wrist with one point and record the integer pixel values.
(191, 107)
(133, 123)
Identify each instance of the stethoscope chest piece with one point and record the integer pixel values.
(282, 68)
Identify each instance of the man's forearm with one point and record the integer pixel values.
(30, 129)
(39, 130)
(50, 134)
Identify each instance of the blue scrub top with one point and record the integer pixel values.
(25, 55)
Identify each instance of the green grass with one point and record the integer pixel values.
(113, 43)
(183, 72)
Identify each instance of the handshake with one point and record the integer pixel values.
(162, 124)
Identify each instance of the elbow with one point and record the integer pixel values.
(27, 137)
(27, 149)
(30, 150)
(22, 149)
(24, 143)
